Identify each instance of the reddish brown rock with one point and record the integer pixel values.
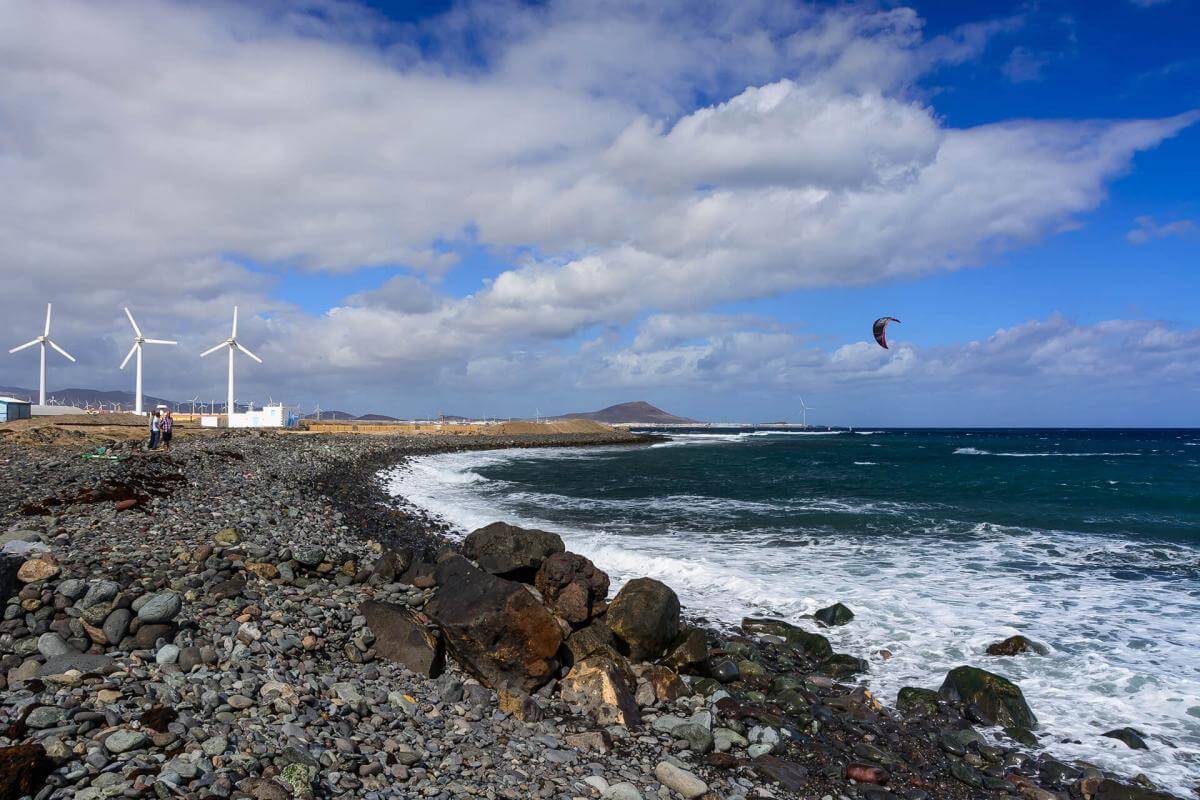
(572, 586)
(23, 770)
(666, 683)
(495, 628)
(401, 637)
(866, 773)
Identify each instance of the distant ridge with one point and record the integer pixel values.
(85, 397)
(639, 412)
(331, 415)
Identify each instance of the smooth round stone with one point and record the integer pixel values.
(167, 654)
(215, 745)
(124, 741)
(44, 717)
(51, 645)
(239, 701)
(72, 588)
(99, 592)
(116, 625)
(160, 607)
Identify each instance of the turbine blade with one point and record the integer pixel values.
(213, 349)
(132, 350)
(59, 349)
(23, 346)
(47, 331)
(247, 352)
(136, 329)
(159, 341)
(234, 334)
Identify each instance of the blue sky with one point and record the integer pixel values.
(488, 208)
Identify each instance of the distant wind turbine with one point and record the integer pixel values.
(43, 340)
(804, 413)
(232, 344)
(138, 341)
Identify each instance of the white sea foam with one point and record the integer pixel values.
(971, 451)
(1122, 649)
(866, 463)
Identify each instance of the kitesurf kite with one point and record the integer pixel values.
(880, 330)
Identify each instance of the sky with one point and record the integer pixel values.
(509, 208)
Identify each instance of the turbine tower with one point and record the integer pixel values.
(138, 341)
(232, 344)
(43, 340)
(804, 413)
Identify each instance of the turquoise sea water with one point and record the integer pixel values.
(941, 541)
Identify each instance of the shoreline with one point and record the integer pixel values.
(284, 694)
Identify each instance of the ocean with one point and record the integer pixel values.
(941, 541)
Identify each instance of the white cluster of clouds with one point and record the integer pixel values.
(625, 159)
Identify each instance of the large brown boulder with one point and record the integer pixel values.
(401, 637)
(495, 628)
(604, 687)
(590, 640)
(572, 586)
(23, 770)
(511, 552)
(644, 616)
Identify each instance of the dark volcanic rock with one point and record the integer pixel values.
(594, 639)
(689, 649)
(787, 774)
(572, 586)
(645, 618)
(511, 552)
(836, 614)
(495, 628)
(400, 637)
(84, 662)
(23, 770)
(1111, 790)
(999, 698)
(1130, 736)
(812, 645)
(911, 699)
(1015, 645)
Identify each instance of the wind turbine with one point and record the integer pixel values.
(804, 413)
(138, 341)
(43, 340)
(232, 344)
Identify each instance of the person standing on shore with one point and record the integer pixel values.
(165, 427)
(155, 430)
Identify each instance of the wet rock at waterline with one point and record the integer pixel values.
(1015, 645)
(997, 697)
(644, 616)
(836, 614)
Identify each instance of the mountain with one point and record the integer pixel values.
(639, 412)
(331, 415)
(84, 398)
(376, 418)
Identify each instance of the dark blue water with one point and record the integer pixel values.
(942, 541)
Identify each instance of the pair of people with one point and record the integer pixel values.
(161, 427)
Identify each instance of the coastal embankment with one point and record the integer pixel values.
(250, 615)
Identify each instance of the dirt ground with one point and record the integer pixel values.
(104, 430)
(84, 430)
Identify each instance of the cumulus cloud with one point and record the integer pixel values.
(1148, 230)
(1051, 352)
(620, 160)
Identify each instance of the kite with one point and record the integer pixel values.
(880, 330)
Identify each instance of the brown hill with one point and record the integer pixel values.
(638, 411)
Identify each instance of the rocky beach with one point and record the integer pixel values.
(251, 616)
